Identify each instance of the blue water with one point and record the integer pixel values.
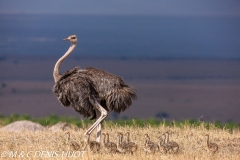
(121, 36)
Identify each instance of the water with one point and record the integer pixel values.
(122, 36)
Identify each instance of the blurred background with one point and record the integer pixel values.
(182, 57)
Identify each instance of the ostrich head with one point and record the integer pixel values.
(72, 39)
(103, 134)
(68, 134)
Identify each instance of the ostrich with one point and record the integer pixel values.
(94, 146)
(121, 147)
(91, 92)
(128, 145)
(112, 144)
(162, 146)
(131, 145)
(150, 147)
(172, 146)
(72, 145)
(109, 147)
(212, 147)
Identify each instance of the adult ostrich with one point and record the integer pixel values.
(91, 92)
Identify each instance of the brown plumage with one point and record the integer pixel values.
(91, 92)
(109, 147)
(149, 146)
(162, 146)
(172, 146)
(121, 147)
(132, 147)
(72, 145)
(94, 146)
(75, 87)
(212, 147)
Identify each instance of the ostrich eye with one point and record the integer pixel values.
(73, 37)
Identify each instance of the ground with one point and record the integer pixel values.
(192, 142)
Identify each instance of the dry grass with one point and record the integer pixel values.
(191, 141)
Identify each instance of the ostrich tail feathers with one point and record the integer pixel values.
(121, 99)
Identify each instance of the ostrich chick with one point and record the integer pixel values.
(72, 145)
(109, 147)
(94, 146)
(162, 146)
(212, 147)
(121, 147)
(132, 147)
(149, 147)
(172, 146)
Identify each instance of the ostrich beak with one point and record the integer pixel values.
(66, 39)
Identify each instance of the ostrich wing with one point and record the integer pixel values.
(111, 89)
(73, 89)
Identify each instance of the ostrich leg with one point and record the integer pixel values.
(99, 127)
(103, 115)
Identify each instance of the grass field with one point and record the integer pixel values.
(191, 139)
(54, 119)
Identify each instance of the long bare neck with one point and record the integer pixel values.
(118, 140)
(207, 140)
(128, 135)
(107, 138)
(68, 138)
(162, 140)
(147, 140)
(167, 138)
(56, 72)
(104, 140)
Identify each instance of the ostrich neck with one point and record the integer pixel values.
(161, 142)
(118, 141)
(56, 72)
(107, 138)
(121, 138)
(104, 141)
(68, 138)
(208, 140)
(167, 138)
(128, 139)
(147, 141)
